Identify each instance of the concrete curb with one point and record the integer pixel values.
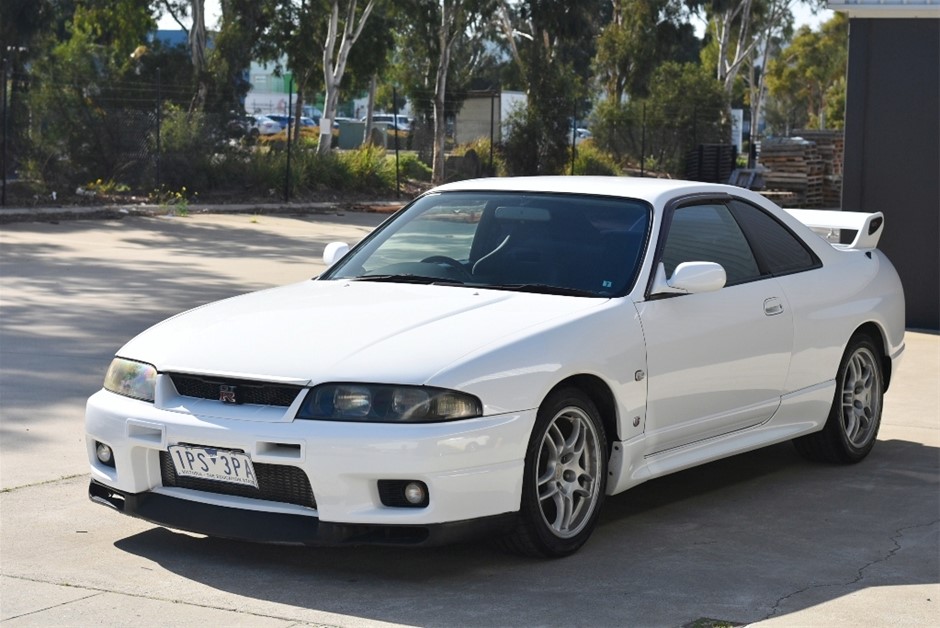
(118, 211)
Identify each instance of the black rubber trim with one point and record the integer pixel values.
(269, 527)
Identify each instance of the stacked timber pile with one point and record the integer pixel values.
(831, 148)
(793, 165)
(712, 163)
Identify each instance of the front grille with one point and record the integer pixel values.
(242, 390)
(276, 483)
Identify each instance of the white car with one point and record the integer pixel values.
(263, 125)
(498, 357)
(393, 121)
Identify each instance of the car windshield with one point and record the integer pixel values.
(569, 244)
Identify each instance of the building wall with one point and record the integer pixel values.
(484, 111)
(478, 117)
(892, 149)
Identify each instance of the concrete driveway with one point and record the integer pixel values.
(764, 538)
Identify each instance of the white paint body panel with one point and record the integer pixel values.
(693, 377)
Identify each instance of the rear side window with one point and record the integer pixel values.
(780, 251)
(709, 233)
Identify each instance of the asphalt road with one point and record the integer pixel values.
(764, 538)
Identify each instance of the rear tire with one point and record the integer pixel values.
(855, 416)
(564, 480)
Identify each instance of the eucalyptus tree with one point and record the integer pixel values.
(84, 89)
(810, 74)
(25, 27)
(198, 43)
(456, 16)
(641, 35)
(552, 42)
(296, 35)
(731, 26)
(743, 31)
(341, 34)
(437, 56)
(244, 35)
(775, 28)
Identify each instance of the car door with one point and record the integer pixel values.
(717, 361)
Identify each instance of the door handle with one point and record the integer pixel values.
(773, 306)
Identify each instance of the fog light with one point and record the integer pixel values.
(403, 493)
(416, 493)
(104, 453)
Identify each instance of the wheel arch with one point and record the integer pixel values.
(602, 396)
(877, 335)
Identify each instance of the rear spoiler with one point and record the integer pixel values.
(867, 227)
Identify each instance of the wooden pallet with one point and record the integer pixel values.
(807, 168)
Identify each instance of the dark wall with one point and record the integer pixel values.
(892, 149)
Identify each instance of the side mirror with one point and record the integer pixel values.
(689, 278)
(333, 252)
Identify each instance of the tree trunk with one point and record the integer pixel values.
(334, 63)
(738, 14)
(299, 104)
(326, 122)
(440, 90)
(370, 109)
(197, 46)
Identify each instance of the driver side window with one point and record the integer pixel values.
(709, 233)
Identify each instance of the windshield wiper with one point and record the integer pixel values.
(409, 278)
(542, 288)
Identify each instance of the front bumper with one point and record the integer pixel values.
(473, 470)
(286, 529)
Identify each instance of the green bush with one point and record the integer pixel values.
(536, 144)
(412, 167)
(589, 159)
(481, 146)
(685, 108)
(368, 168)
(186, 148)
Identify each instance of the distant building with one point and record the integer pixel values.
(892, 138)
(269, 89)
(486, 114)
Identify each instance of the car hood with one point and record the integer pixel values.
(319, 331)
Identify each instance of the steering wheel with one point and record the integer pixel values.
(450, 262)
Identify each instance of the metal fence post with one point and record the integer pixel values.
(643, 143)
(290, 120)
(397, 170)
(6, 72)
(492, 172)
(159, 131)
(574, 134)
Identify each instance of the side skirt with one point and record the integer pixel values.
(800, 412)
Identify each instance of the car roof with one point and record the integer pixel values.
(655, 191)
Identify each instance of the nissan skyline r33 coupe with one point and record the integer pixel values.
(498, 357)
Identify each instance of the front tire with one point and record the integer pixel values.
(855, 416)
(565, 477)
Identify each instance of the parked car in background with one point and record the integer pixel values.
(313, 113)
(395, 122)
(339, 119)
(498, 357)
(284, 120)
(263, 125)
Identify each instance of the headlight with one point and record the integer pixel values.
(131, 379)
(382, 403)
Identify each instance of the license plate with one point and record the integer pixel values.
(207, 463)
